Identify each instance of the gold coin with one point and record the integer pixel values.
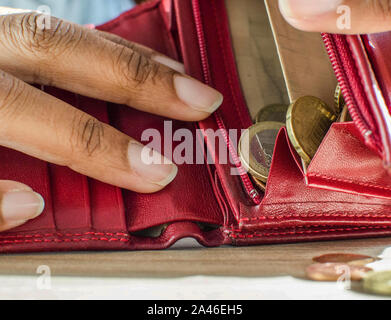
(335, 272)
(256, 147)
(308, 120)
(345, 115)
(274, 112)
(349, 258)
(261, 185)
(339, 100)
(378, 282)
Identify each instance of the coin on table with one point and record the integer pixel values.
(256, 147)
(274, 112)
(335, 272)
(378, 282)
(339, 100)
(308, 121)
(349, 258)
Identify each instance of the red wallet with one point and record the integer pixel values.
(345, 193)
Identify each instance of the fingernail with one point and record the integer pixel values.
(171, 63)
(21, 205)
(151, 165)
(197, 95)
(303, 9)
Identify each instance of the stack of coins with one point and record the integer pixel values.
(307, 120)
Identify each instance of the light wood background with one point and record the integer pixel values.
(255, 50)
(307, 71)
(306, 65)
(260, 261)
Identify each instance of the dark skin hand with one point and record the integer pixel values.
(94, 64)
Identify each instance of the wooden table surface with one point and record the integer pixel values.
(256, 261)
(263, 83)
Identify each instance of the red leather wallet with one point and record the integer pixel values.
(345, 193)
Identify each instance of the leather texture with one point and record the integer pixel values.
(84, 214)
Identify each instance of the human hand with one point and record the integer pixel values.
(366, 16)
(94, 64)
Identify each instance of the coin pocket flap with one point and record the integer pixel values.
(343, 163)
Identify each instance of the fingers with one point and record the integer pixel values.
(47, 128)
(145, 51)
(19, 203)
(80, 60)
(338, 16)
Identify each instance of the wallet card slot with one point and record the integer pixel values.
(106, 203)
(70, 194)
(16, 166)
(189, 197)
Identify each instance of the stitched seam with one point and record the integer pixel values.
(318, 175)
(62, 240)
(58, 234)
(260, 235)
(315, 215)
(325, 202)
(307, 227)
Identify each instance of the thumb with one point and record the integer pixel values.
(338, 16)
(18, 204)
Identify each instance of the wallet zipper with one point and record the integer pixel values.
(247, 183)
(338, 49)
(343, 77)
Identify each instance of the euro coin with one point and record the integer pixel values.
(274, 112)
(256, 147)
(349, 258)
(261, 185)
(339, 100)
(308, 121)
(378, 283)
(344, 115)
(336, 272)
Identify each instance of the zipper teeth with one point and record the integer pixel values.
(248, 185)
(342, 80)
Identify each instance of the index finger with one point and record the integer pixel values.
(77, 59)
